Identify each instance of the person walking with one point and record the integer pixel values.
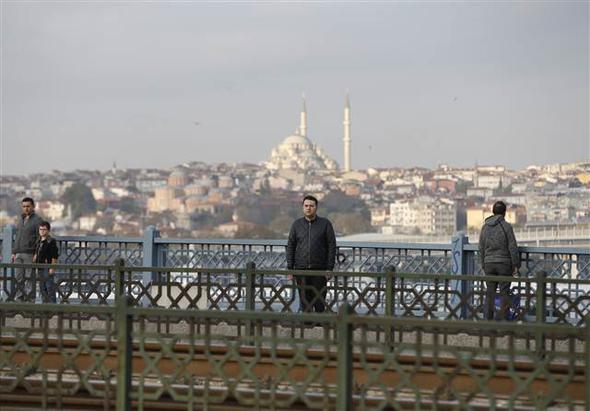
(27, 236)
(498, 256)
(46, 253)
(311, 246)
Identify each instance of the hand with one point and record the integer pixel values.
(515, 272)
(12, 258)
(329, 275)
(51, 271)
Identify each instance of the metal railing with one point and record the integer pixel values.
(120, 358)
(400, 294)
(455, 257)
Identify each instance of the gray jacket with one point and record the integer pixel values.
(497, 243)
(311, 245)
(27, 234)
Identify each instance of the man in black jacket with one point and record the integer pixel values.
(311, 246)
(498, 255)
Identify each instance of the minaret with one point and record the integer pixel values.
(346, 139)
(303, 119)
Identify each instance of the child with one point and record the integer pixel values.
(46, 253)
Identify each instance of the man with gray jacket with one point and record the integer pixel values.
(498, 256)
(23, 249)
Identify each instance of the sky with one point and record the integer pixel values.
(156, 84)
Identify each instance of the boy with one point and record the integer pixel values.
(46, 253)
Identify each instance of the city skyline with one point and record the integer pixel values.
(154, 85)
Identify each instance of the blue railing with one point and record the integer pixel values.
(456, 257)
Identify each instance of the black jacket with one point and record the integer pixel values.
(311, 245)
(46, 251)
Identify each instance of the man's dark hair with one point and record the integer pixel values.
(46, 225)
(499, 208)
(28, 200)
(309, 197)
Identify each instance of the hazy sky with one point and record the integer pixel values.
(154, 84)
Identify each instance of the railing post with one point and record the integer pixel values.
(250, 294)
(150, 254)
(344, 379)
(540, 310)
(390, 290)
(119, 279)
(587, 375)
(389, 299)
(459, 266)
(250, 275)
(150, 259)
(124, 351)
(7, 236)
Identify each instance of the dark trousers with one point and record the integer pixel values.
(501, 270)
(24, 279)
(47, 286)
(312, 292)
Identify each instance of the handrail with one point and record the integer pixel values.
(341, 243)
(328, 318)
(286, 272)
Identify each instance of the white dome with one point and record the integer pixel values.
(177, 173)
(296, 140)
(298, 152)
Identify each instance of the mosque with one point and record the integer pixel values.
(297, 151)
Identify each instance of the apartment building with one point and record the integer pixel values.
(425, 214)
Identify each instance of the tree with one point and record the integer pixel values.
(201, 221)
(264, 187)
(255, 231)
(462, 186)
(79, 200)
(248, 211)
(132, 189)
(281, 224)
(337, 201)
(129, 205)
(350, 223)
(350, 215)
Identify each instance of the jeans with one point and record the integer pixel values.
(47, 286)
(501, 270)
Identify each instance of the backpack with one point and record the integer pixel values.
(513, 305)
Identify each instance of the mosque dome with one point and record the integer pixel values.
(296, 140)
(177, 178)
(297, 151)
